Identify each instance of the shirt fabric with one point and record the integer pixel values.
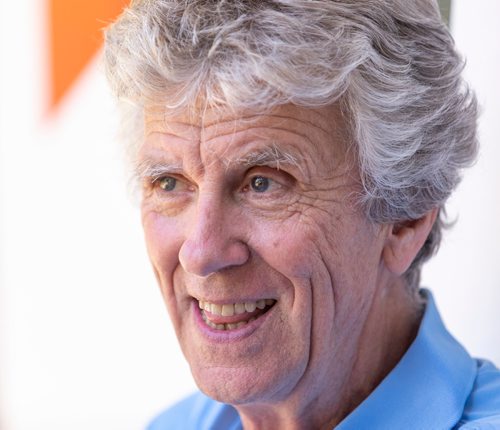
(435, 386)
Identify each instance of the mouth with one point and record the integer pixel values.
(233, 316)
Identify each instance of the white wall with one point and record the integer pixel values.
(84, 340)
(465, 275)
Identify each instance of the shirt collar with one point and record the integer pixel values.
(428, 387)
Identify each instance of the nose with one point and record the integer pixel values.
(212, 242)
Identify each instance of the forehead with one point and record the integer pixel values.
(310, 134)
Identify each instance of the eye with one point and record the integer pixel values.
(167, 183)
(259, 184)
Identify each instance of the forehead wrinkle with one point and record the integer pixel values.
(165, 155)
(255, 129)
(257, 121)
(175, 139)
(204, 135)
(204, 121)
(324, 120)
(186, 132)
(287, 124)
(300, 120)
(163, 137)
(295, 150)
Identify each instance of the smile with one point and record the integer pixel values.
(233, 316)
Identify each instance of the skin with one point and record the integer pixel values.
(342, 317)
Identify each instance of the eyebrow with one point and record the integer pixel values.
(271, 154)
(154, 169)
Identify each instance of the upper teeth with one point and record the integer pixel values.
(234, 309)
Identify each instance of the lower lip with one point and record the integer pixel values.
(225, 336)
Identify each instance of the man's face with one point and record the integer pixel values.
(254, 219)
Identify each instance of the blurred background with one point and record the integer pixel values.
(85, 342)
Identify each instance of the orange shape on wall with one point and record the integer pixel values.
(76, 35)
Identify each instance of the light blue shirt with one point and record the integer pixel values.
(435, 386)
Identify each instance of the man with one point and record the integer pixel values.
(295, 158)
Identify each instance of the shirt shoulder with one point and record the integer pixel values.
(197, 412)
(482, 409)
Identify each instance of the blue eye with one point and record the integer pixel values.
(259, 184)
(167, 183)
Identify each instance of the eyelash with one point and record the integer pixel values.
(155, 182)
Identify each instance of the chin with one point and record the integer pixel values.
(244, 385)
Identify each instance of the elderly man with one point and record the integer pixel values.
(295, 157)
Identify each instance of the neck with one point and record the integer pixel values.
(388, 332)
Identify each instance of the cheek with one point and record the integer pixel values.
(162, 236)
(288, 247)
(163, 241)
(294, 251)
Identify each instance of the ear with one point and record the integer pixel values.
(405, 240)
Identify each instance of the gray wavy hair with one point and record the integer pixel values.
(390, 64)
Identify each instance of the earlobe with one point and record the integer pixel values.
(405, 240)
